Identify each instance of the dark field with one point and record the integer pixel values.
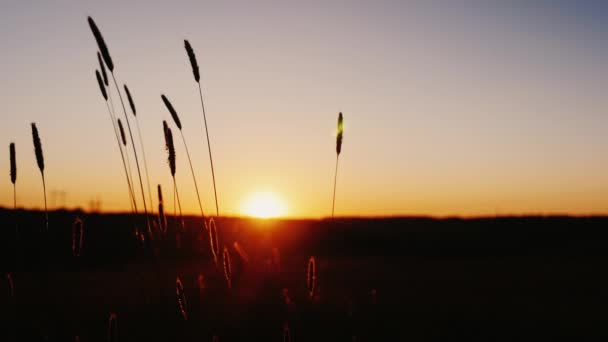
(378, 280)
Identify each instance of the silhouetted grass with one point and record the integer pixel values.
(40, 162)
(178, 123)
(104, 93)
(227, 267)
(13, 161)
(170, 147)
(105, 53)
(338, 150)
(141, 141)
(197, 78)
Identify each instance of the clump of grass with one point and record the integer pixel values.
(339, 137)
(161, 212)
(311, 276)
(13, 160)
(40, 162)
(213, 240)
(197, 78)
(178, 123)
(181, 299)
(113, 327)
(105, 53)
(227, 267)
(141, 141)
(104, 93)
(77, 237)
(170, 147)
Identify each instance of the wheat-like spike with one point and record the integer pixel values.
(170, 147)
(340, 134)
(13, 159)
(40, 161)
(123, 137)
(339, 137)
(102, 66)
(38, 148)
(161, 212)
(213, 239)
(102, 87)
(13, 163)
(172, 112)
(103, 48)
(227, 267)
(181, 299)
(193, 63)
(131, 103)
(311, 279)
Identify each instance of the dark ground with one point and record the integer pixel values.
(488, 279)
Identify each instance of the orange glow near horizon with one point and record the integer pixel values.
(264, 205)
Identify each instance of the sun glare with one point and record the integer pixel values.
(264, 205)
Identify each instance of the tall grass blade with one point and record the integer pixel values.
(161, 212)
(141, 142)
(13, 160)
(227, 267)
(197, 77)
(104, 93)
(181, 299)
(339, 137)
(213, 240)
(40, 162)
(311, 276)
(178, 123)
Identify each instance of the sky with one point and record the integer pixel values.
(451, 108)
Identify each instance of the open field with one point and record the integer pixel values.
(493, 279)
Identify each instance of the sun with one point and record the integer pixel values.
(264, 205)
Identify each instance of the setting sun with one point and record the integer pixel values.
(264, 205)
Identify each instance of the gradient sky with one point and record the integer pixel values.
(451, 107)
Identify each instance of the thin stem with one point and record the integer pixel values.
(141, 184)
(200, 91)
(124, 164)
(14, 196)
(181, 217)
(46, 211)
(143, 152)
(129, 173)
(333, 205)
(193, 177)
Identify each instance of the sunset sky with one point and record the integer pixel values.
(451, 107)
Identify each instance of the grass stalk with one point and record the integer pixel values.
(339, 138)
(40, 162)
(197, 78)
(141, 143)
